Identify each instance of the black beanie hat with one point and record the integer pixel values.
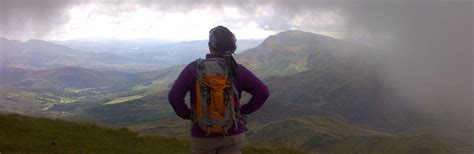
(222, 39)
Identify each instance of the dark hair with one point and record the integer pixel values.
(222, 39)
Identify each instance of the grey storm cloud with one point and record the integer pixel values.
(394, 16)
(32, 17)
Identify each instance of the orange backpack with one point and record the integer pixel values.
(217, 107)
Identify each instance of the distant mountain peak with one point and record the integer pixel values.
(299, 33)
(295, 31)
(37, 41)
(294, 37)
(47, 46)
(8, 44)
(3, 39)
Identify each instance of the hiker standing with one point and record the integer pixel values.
(215, 85)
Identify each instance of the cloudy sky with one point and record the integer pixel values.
(169, 20)
(191, 19)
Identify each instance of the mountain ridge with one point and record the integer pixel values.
(331, 76)
(44, 54)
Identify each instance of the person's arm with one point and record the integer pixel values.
(178, 91)
(257, 89)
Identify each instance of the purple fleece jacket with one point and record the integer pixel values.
(245, 81)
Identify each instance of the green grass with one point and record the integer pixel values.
(252, 150)
(124, 99)
(329, 135)
(25, 134)
(413, 144)
(318, 134)
(21, 134)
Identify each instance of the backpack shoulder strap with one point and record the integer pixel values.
(198, 68)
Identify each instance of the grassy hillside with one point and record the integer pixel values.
(311, 74)
(329, 135)
(20, 134)
(294, 51)
(16, 100)
(319, 134)
(130, 112)
(24, 134)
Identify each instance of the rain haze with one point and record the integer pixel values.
(427, 44)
